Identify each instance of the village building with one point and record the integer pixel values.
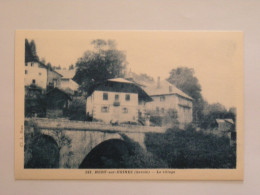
(167, 97)
(66, 82)
(57, 103)
(117, 101)
(226, 127)
(39, 74)
(45, 92)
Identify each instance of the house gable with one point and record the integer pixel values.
(116, 100)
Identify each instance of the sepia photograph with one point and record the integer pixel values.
(129, 105)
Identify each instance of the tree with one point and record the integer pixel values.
(43, 60)
(215, 111)
(30, 51)
(101, 63)
(33, 50)
(49, 65)
(211, 108)
(184, 79)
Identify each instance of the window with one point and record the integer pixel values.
(33, 81)
(127, 97)
(116, 97)
(162, 110)
(55, 82)
(26, 72)
(157, 110)
(105, 96)
(31, 63)
(40, 73)
(26, 64)
(125, 110)
(162, 98)
(104, 109)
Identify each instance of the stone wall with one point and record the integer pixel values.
(76, 139)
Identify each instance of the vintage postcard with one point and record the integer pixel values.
(150, 105)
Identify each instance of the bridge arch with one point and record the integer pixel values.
(108, 154)
(44, 152)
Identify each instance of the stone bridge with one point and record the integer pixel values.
(85, 136)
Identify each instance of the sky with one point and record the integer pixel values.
(216, 57)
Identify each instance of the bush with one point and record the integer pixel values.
(77, 110)
(44, 153)
(156, 120)
(171, 118)
(139, 158)
(168, 118)
(191, 149)
(190, 127)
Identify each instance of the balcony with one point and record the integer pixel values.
(116, 103)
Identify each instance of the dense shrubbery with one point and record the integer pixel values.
(116, 153)
(42, 152)
(191, 149)
(77, 110)
(156, 120)
(170, 117)
(139, 158)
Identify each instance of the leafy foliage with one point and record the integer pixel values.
(44, 153)
(215, 111)
(191, 149)
(184, 79)
(77, 109)
(102, 63)
(170, 117)
(71, 67)
(35, 101)
(139, 158)
(30, 51)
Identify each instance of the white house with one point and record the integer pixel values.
(116, 100)
(66, 83)
(166, 96)
(39, 74)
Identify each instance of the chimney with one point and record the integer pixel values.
(158, 82)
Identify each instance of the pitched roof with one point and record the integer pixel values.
(220, 120)
(120, 80)
(225, 120)
(59, 91)
(72, 84)
(120, 85)
(48, 68)
(229, 120)
(164, 89)
(68, 74)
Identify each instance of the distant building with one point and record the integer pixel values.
(224, 125)
(117, 101)
(66, 83)
(166, 97)
(57, 103)
(41, 75)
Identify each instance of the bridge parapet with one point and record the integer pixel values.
(64, 124)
